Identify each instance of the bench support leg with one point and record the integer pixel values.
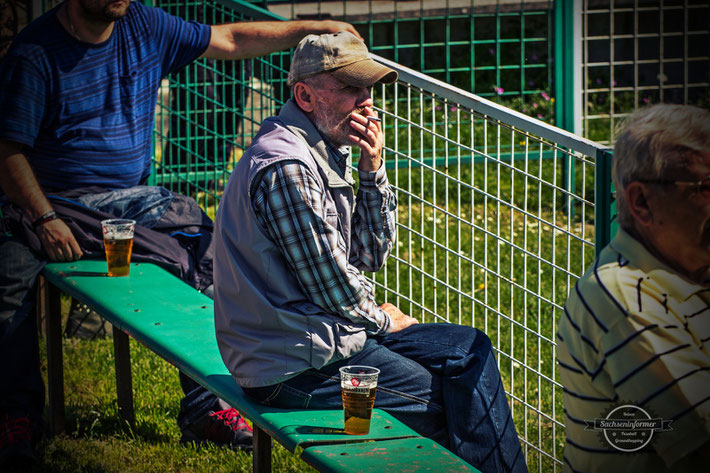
(124, 381)
(55, 361)
(262, 451)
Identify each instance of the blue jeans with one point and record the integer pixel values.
(21, 385)
(440, 379)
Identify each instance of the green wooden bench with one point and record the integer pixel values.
(176, 322)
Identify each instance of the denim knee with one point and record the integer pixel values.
(19, 268)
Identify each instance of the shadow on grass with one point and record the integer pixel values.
(62, 459)
(99, 421)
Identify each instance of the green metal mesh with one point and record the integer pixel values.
(639, 52)
(494, 48)
(208, 113)
(496, 223)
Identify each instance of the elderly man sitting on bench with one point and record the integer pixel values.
(291, 306)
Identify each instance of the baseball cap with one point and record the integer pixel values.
(342, 54)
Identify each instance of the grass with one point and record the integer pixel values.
(96, 439)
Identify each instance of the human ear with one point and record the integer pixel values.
(637, 197)
(304, 96)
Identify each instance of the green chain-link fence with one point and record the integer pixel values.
(492, 48)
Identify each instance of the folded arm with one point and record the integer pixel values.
(288, 205)
(374, 221)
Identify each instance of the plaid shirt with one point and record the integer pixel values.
(287, 202)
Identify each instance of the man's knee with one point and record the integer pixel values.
(482, 342)
(19, 268)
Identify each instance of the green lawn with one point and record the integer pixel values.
(96, 440)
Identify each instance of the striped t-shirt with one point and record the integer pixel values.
(634, 332)
(86, 111)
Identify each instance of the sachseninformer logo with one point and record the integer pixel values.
(628, 428)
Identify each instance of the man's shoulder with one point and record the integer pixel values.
(602, 296)
(609, 276)
(138, 12)
(610, 289)
(37, 38)
(275, 141)
(623, 268)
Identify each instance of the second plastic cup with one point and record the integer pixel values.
(118, 241)
(358, 387)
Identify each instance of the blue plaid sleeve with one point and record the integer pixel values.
(287, 203)
(374, 221)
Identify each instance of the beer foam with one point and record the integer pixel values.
(117, 236)
(121, 237)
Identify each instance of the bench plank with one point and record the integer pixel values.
(402, 456)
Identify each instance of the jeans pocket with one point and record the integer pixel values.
(280, 395)
(290, 398)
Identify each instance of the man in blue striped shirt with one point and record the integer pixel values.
(78, 89)
(633, 339)
(291, 306)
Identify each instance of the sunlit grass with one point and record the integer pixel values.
(97, 441)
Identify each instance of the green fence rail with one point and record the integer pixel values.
(499, 213)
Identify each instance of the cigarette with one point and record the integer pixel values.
(374, 119)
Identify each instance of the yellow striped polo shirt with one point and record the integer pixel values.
(634, 333)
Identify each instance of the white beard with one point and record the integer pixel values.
(331, 125)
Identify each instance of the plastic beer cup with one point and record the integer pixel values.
(358, 387)
(118, 242)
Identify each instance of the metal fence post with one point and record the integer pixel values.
(567, 56)
(603, 201)
(567, 41)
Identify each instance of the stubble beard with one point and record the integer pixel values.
(333, 126)
(110, 12)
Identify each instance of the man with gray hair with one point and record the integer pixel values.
(633, 340)
(291, 306)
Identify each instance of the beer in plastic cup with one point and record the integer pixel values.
(358, 387)
(118, 241)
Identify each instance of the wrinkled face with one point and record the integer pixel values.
(334, 102)
(104, 10)
(680, 230)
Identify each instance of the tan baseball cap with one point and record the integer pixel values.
(343, 55)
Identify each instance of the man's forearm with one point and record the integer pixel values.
(246, 40)
(19, 183)
(374, 222)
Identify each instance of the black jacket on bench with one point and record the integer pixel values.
(181, 242)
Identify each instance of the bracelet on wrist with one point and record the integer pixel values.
(48, 217)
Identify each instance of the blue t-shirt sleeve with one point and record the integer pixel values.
(180, 42)
(22, 100)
